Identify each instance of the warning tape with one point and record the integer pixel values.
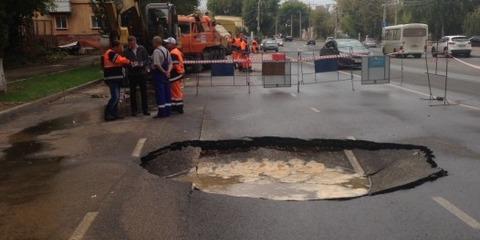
(261, 59)
(466, 63)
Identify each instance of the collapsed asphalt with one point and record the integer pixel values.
(98, 173)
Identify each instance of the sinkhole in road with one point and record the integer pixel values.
(294, 169)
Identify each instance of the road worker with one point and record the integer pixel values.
(236, 52)
(207, 19)
(177, 74)
(245, 62)
(254, 46)
(113, 73)
(162, 66)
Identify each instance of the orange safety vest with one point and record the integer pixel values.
(237, 42)
(178, 64)
(113, 65)
(243, 45)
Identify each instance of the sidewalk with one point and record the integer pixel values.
(70, 62)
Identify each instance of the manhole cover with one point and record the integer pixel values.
(293, 169)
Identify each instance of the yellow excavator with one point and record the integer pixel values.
(141, 18)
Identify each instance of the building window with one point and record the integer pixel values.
(61, 22)
(96, 22)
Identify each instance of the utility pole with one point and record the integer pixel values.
(300, 25)
(258, 16)
(396, 11)
(291, 25)
(384, 21)
(336, 22)
(276, 25)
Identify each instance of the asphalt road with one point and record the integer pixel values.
(65, 174)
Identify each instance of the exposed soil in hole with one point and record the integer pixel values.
(293, 169)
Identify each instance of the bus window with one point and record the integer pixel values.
(414, 32)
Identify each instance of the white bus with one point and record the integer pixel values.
(410, 39)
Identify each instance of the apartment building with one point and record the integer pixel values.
(67, 21)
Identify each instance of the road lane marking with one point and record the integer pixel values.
(84, 225)
(469, 106)
(293, 94)
(315, 109)
(347, 73)
(457, 212)
(137, 151)
(410, 90)
(353, 160)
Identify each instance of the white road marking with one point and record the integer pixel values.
(353, 160)
(410, 90)
(469, 106)
(293, 94)
(347, 73)
(315, 109)
(457, 212)
(137, 151)
(84, 225)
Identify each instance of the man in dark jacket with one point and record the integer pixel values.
(137, 74)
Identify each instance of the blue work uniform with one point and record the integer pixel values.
(162, 85)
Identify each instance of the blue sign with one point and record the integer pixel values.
(326, 65)
(223, 69)
(376, 62)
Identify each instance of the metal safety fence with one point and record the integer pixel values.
(285, 69)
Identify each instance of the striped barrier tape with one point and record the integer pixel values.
(465, 63)
(262, 60)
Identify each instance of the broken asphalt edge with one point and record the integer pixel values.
(11, 113)
(320, 144)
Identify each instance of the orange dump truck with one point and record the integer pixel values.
(200, 40)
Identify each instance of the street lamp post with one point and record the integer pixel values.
(258, 16)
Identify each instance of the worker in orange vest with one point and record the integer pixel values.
(176, 75)
(113, 74)
(246, 64)
(254, 46)
(207, 19)
(236, 45)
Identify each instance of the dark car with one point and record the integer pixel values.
(475, 41)
(352, 49)
(269, 45)
(311, 42)
(288, 38)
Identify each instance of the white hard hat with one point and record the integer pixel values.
(170, 40)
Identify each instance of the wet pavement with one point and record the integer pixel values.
(88, 167)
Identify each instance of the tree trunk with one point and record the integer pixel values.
(3, 79)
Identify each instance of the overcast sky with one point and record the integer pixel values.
(203, 3)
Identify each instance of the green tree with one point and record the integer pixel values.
(268, 13)
(292, 10)
(471, 25)
(14, 15)
(323, 22)
(444, 17)
(184, 7)
(225, 7)
(361, 17)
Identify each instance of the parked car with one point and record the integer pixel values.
(452, 45)
(288, 38)
(353, 50)
(279, 42)
(311, 43)
(370, 43)
(475, 41)
(269, 45)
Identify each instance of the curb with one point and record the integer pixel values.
(11, 113)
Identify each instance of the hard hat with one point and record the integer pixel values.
(171, 40)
